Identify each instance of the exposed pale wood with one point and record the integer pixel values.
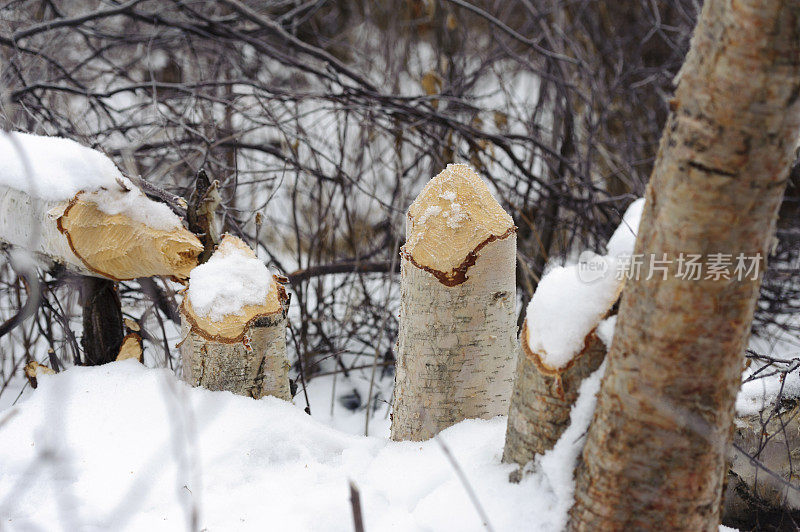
(656, 450)
(543, 397)
(442, 239)
(33, 370)
(84, 239)
(457, 345)
(244, 354)
(131, 348)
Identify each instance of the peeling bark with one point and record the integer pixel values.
(457, 344)
(543, 397)
(656, 450)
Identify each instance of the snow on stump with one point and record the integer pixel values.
(69, 204)
(564, 340)
(560, 348)
(233, 320)
(457, 342)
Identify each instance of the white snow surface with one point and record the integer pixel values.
(231, 279)
(122, 447)
(624, 238)
(56, 169)
(564, 310)
(605, 330)
(570, 301)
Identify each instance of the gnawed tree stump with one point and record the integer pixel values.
(457, 343)
(244, 351)
(560, 346)
(543, 397)
(131, 348)
(69, 205)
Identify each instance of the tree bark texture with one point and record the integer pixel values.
(542, 398)
(457, 344)
(102, 321)
(656, 450)
(254, 365)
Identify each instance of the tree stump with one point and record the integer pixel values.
(543, 397)
(242, 351)
(457, 344)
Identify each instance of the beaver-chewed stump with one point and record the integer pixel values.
(457, 344)
(234, 325)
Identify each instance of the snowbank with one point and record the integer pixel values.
(124, 447)
(56, 169)
(624, 238)
(230, 280)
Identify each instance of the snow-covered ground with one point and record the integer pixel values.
(124, 447)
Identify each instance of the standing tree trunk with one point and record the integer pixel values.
(457, 344)
(656, 451)
(242, 351)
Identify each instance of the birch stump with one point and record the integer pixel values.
(559, 348)
(457, 342)
(656, 450)
(543, 397)
(233, 320)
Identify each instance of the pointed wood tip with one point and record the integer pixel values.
(453, 217)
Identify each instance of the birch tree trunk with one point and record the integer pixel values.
(79, 236)
(242, 353)
(543, 397)
(656, 450)
(457, 342)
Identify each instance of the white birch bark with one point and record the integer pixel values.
(86, 240)
(457, 345)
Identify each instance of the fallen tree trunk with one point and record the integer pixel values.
(457, 345)
(78, 235)
(232, 341)
(70, 205)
